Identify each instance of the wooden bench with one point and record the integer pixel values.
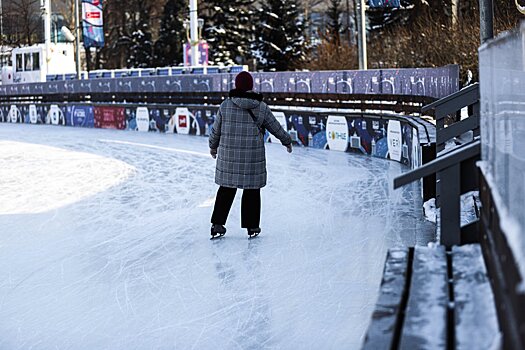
(431, 298)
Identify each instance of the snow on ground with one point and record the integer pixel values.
(104, 244)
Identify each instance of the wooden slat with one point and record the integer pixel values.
(456, 129)
(381, 332)
(456, 156)
(425, 325)
(476, 323)
(455, 101)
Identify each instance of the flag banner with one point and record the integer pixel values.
(92, 23)
(202, 53)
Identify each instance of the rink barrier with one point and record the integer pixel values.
(501, 171)
(454, 169)
(429, 82)
(389, 136)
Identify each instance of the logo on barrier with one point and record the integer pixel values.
(337, 133)
(79, 117)
(281, 118)
(33, 116)
(183, 121)
(142, 119)
(15, 115)
(55, 116)
(394, 140)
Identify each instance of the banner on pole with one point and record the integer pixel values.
(202, 53)
(92, 23)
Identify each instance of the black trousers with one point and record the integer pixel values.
(250, 206)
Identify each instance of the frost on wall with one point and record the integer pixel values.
(502, 90)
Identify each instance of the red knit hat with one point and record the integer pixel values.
(244, 81)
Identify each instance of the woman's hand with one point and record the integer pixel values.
(213, 153)
(289, 148)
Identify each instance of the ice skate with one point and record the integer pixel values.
(217, 231)
(254, 232)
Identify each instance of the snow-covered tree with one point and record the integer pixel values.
(281, 43)
(141, 50)
(228, 29)
(172, 35)
(141, 45)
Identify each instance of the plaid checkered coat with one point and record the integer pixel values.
(241, 160)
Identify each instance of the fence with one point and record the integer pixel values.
(429, 82)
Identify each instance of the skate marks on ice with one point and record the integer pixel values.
(40, 178)
(131, 266)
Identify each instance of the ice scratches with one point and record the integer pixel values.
(43, 178)
(131, 266)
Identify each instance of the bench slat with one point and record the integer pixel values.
(476, 323)
(425, 325)
(380, 333)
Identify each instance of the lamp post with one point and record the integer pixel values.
(194, 33)
(1, 24)
(486, 16)
(77, 38)
(45, 7)
(361, 38)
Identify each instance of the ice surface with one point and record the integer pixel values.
(113, 251)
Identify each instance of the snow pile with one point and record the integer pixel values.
(429, 208)
(467, 205)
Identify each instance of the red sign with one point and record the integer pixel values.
(92, 15)
(183, 121)
(110, 118)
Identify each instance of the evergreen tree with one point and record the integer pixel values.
(172, 35)
(141, 50)
(141, 45)
(281, 42)
(334, 25)
(228, 29)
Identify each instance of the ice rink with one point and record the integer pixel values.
(104, 244)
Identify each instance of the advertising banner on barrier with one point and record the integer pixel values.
(337, 133)
(92, 23)
(110, 117)
(382, 137)
(394, 139)
(79, 115)
(55, 116)
(428, 82)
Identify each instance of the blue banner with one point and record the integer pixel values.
(92, 23)
(80, 115)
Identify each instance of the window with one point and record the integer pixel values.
(19, 63)
(27, 61)
(36, 61)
